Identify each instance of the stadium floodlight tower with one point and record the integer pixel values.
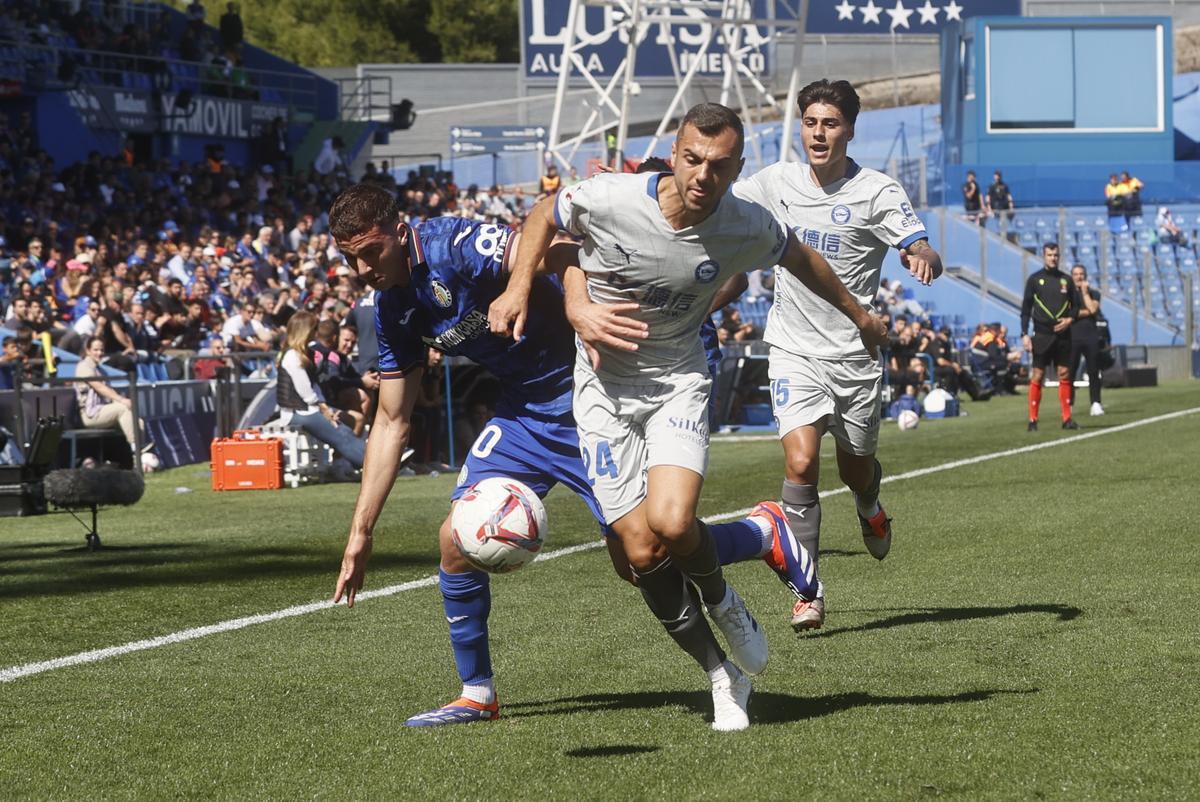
(729, 27)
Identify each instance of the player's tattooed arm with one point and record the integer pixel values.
(600, 324)
(390, 433)
(815, 273)
(507, 313)
(921, 261)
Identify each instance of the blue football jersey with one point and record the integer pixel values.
(458, 269)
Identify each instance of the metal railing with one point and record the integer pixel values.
(49, 67)
(366, 98)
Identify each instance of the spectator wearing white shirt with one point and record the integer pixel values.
(297, 238)
(245, 330)
(301, 403)
(181, 264)
(1169, 233)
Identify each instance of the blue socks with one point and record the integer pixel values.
(739, 541)
(467, 599)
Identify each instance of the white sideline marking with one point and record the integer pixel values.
(29, 669)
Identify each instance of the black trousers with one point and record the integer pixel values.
(1088, 350)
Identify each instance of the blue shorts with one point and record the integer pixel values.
(538, 451)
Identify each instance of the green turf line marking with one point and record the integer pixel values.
(95, 655)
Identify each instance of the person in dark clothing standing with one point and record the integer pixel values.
(1085, 338)
(232, 30)
(1051, 302)
(972, 200)
(1000, 203)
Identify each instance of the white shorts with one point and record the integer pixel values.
(844, 394)
(624, 430)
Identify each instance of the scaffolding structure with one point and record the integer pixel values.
(729, 27)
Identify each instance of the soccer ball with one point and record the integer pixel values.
(499, 525)
(150, 463)
(907, 419)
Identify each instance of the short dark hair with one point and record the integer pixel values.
(653, 165)
(360, 208)
(1049, 246)
(327, 328)
(711, 119)
(8, 340)
(839, 94)
(1081, 267)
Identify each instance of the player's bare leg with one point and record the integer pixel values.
(802, 506)
(862, 474)
(467, 600)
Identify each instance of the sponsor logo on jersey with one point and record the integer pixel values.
(910, 217)
(470, 327)
(407, 315)
(626, 254)
(707, 271)
(829, 243)
(441, 294)
(840, 214)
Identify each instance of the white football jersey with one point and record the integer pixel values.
(852, 223)
(631, 253)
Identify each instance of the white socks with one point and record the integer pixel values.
(768, 537)
(485, 694)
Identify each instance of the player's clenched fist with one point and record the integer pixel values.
(874, 333)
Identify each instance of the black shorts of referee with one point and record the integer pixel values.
(1050, 347)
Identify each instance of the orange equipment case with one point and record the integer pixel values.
(247, 461)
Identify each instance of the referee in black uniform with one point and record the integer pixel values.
(1052, 303)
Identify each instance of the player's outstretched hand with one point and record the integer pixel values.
(874, 334)
(354, 568)
(917, 266)
(609, 325)
(506, 315)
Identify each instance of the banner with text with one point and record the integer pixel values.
(143, 112)
(545, 33)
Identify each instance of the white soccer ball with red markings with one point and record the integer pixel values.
(907, 420)
(499, 525)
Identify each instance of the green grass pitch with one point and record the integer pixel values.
(1033, 634)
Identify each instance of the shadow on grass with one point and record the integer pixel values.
(616, 750)
(934, 614)
(765, 707)
(841, 553)
(36, 571)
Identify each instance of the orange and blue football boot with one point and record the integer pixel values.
(460, 711)
(795, 568)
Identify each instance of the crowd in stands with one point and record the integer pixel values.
(124, 45)
(184, 263)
